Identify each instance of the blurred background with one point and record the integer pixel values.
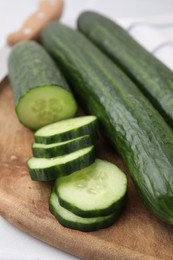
(13, 12)
(155, 20)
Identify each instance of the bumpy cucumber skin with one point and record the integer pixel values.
(53, 172)
(58, 150)
(81, 226)
(149, 74)
(90, 129)
(132, 125)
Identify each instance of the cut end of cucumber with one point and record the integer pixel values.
(44, 105)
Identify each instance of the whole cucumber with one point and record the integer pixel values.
(133, 126)
(152, 77)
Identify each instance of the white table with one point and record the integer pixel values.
(15, 244)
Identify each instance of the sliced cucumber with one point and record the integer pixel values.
(41, 93)
(96, 190)
(44, 169)
(61, 148)
(66, 129)
(68, 219)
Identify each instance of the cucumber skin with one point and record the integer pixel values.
(63, 149)
(132, 125)
(56, 171)
(80, 226)
(149, 74)
(31, 66)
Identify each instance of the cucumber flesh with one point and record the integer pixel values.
(46, 169)
(66, 129)
(51, 106)
(61, 148)
(96, 190)
(68, 219)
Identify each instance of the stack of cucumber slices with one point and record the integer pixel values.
(88, 193)
(62, 148)
(91, 198)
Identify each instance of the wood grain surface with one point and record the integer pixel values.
(137, 234)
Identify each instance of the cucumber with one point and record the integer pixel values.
(132, 125)
(66, 129)
(41, 93)
(47, 169)
(150, 75)
(97, 190)
(70, 220)
(61, 148)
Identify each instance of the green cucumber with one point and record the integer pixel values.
(149, 74)
(70, 220)
(41, 93)
(96, 190)
(61, 148)
(47, 169)
(134, 128)
(66, 129)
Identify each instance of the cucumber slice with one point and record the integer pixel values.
(47, 169)
(96, 190)
(68, 219)
(66, 129)
(61, 148)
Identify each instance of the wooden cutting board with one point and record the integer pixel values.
(136, 235)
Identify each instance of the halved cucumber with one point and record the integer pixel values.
(66, 129)
(61, 148)
(96, 190)
(41, 93)
(46, 169)
(68, 219)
